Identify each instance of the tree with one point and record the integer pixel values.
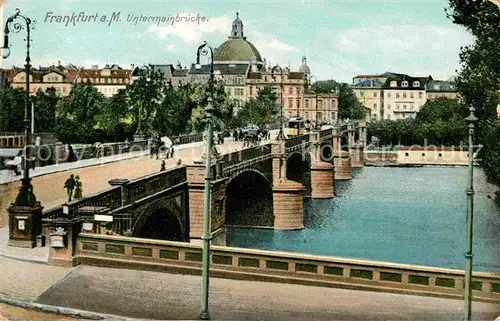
(175, 109)
(223, 107)
(349, 105)
(12, 108)
(77, 114)
(479, 78)
(112, 118)
(145, 97)
(262, 110)
(45, 110)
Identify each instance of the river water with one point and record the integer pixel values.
(402, 215)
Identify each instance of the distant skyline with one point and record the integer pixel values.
(341, 39)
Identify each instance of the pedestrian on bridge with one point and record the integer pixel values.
(162, 166)
(69, 185)
(78, 188)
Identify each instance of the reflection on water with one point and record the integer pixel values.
(404, 215)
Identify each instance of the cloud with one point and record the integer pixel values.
(268, 42)
(192, 32)
(398, 40)
(170, 47)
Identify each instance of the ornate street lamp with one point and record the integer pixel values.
(24, 228)
(26, 196)
(204, 50)
(277, 68)
(316, 123)
(470, 215)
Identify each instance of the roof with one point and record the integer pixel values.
(369, 83)
(180, 72)
(440, 86)
(399, 78)
(96, 73)
(238, 49)
(295, 75)
(225, 69)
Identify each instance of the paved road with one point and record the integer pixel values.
(143, 294)
(49, 188)
(10, 313)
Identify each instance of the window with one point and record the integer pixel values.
(388, 106)
(404, 95)
(416, 84)
(437, 87)
(411, 95)
(406, 154)
(290, 90)
(394, 83)
(307, 103)
(374, 106)
(397, 106)
(320, 104)
(440, 155)
(121, 81)
(374, 94)
(333, 115)
(389, 95)
(290, 102)
(297, 91)
(404, 106)
(361, 93)
(397, 95)
(420, 95)
(298, 103)
(404, 84)
(306, 115)
(423, 154)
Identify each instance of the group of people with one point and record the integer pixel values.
(73, 184)
(251, 137)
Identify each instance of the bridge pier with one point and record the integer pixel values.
(342, 162)
(357, 149)
(322, 180)
(288, 205)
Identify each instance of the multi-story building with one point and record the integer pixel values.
(398, 96)
(403, 96)
(107, 80)
(440, 89)
(61, 79)
(238, 63)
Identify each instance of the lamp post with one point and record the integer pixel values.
(26, 196)
(277, 68)
(204, 50)
(470, 215)
(139, 135)
(316, 127)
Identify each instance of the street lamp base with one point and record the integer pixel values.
(281, 135)
(205, 315)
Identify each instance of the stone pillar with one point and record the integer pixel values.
(196, 195)
(279, 162)
(357, 156)
(62, 240)
(350, 135)
(336, 140)
(342, 162)
(288, 205)
(121, 182)
(25, 224)
(322, 180)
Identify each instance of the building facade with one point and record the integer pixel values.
(440, 89)
(61, 79)
(238, 63)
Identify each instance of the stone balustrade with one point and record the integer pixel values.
(177, 257)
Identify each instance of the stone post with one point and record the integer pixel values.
(62, 240)
(322, 173)
(279, 162)
(342, 163)
(122, 182)
(25, 224)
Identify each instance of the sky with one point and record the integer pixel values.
(341, 39)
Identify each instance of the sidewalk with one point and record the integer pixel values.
(7, 177)
(163, 296)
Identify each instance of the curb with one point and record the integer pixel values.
(75, 313)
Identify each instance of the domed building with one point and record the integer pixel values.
(239, 64)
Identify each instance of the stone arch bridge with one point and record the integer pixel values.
(261, 186)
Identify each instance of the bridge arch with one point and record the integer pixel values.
(249, 200)
(163, 220)
(298, 169)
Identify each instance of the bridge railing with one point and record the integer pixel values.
(244, 155)
(297, 140)
(110, 198)
(152, 184)
(285, 267)
(187, 139)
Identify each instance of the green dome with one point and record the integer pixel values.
(237, 50)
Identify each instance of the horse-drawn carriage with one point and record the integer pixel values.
(162, 146)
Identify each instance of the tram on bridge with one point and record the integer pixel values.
(296, 126)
